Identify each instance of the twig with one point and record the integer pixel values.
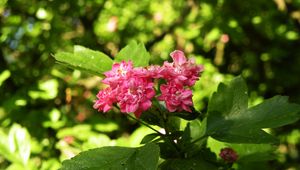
(145, 124)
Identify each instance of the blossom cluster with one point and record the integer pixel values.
(132, 89)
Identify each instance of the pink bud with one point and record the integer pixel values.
(228, 155)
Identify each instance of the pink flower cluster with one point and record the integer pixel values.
(132, 89)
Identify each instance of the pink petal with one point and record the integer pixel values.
(130, 108)
(186, 108)
(106, 108)
(146, 105)
(186, 93)
(178, 57)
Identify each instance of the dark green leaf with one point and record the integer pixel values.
(115, 158)
(85, 59)
(135, 52)
(226, 104)
(246, 152)
(168, 150)
(245, 136)
(190, 142)
(230, 120)
(189, 164)
(254, 165)
(148, 138)
(151, 117)
(173, 123)
(187, 115)
(272, 113)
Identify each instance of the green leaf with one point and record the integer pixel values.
(245, 136)
(272, 113)
(4, 148)
(4, 76)
(187, 115)
(19, 141)
(116, 158)
(167, 150)
(135, 52)
(151, 117)
(190, 164)
(190, 142)
(230, 120)
(226, 104)
(150, 137)
(246, 152)
(15, 146)
(85, 59)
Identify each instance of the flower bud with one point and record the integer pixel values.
(228, 155)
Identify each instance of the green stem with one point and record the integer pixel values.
(165, 120)
(171, 141)
(145, 124)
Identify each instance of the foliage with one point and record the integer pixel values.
(54, 103)
(228, 119)
(143, 158)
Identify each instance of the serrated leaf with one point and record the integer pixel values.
(135, 52)
(272, 113)
(85, 59)
(227, 103)
(230, 120)
(116, 158)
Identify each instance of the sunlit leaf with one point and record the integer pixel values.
(150, 137)
(135, 52)
(107, 158)
(85, 59)
(4, 76)
(19, 141)
(246, 152)
(15, 146)
(230, 120)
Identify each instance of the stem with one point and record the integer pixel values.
(165, 120)
(171, 141)
(145, 124)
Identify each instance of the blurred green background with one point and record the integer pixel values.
(46, 112)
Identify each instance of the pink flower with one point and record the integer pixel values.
(132, 89)
(118, 73)
(181, 71)
(176, 97)
(151, 72)
(135, 95)
(106, 98)
(228, 155)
